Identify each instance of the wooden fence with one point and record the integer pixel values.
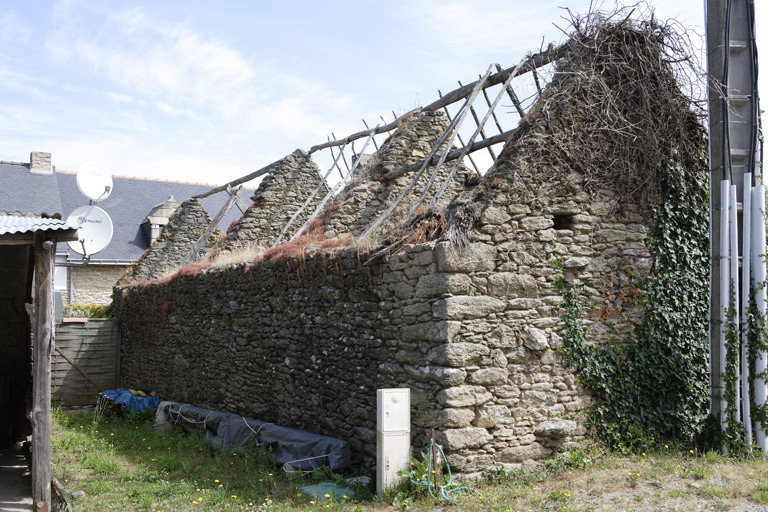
(85, 362)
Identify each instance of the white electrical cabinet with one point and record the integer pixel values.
(393, 436)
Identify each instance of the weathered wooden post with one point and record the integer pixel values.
(40, 416)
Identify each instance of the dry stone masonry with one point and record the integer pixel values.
(370, 194)
(172, 248)
(280, 194)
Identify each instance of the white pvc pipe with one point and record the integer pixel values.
(725, 192)
(733, 282)
(745, 287)
(758, 274)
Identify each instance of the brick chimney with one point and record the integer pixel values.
(40, 163)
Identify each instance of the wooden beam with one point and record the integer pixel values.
(212, 226)
(534, 61)
(238, 200)
(465, 150)
(239, 181)
(453, 155)
(40, 415)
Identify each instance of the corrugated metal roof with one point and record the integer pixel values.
(10, 224)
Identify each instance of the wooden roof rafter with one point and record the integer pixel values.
(535, 61)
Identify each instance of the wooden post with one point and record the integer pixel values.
(40, 416)
(233, 196)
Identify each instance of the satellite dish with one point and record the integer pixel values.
(94, 229)
(94, 182)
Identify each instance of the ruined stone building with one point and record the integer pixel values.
(455, 302)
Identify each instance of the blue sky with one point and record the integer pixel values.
(206, 92)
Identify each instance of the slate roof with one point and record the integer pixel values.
(25, 193)
(132, 199)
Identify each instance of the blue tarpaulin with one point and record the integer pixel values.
(131, 403)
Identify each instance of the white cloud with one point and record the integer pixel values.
(12, 28)
(166, 62)
(121, 98)
(488, 26)
(173, 111)
(183, 72)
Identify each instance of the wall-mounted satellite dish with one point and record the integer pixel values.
(94, 229)
(94, 182)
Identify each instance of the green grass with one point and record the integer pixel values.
(123, 465)
(760, 494)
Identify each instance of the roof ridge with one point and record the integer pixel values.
(140, 178)
(8, 162)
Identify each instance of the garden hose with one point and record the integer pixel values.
(445, 491)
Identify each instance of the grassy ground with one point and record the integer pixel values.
(122, 464)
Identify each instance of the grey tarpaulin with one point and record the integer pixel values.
(301, 450)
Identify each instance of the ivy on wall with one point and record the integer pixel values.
(658, 385)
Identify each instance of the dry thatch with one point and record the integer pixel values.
(614, 110)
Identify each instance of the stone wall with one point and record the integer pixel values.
(93, 284)
(306, 342)
(172, 248)
(280, 194)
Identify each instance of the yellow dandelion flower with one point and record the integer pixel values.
(666, 446)
(198, 489)
(691, 451)
(215, 481)
(234, 495)
(221, 485)
(311, 502)
(327, 495)
(112, 434)
(270, 474)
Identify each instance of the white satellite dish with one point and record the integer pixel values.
(94, 229)
(94, 182)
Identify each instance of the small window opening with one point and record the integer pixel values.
(563, 221)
